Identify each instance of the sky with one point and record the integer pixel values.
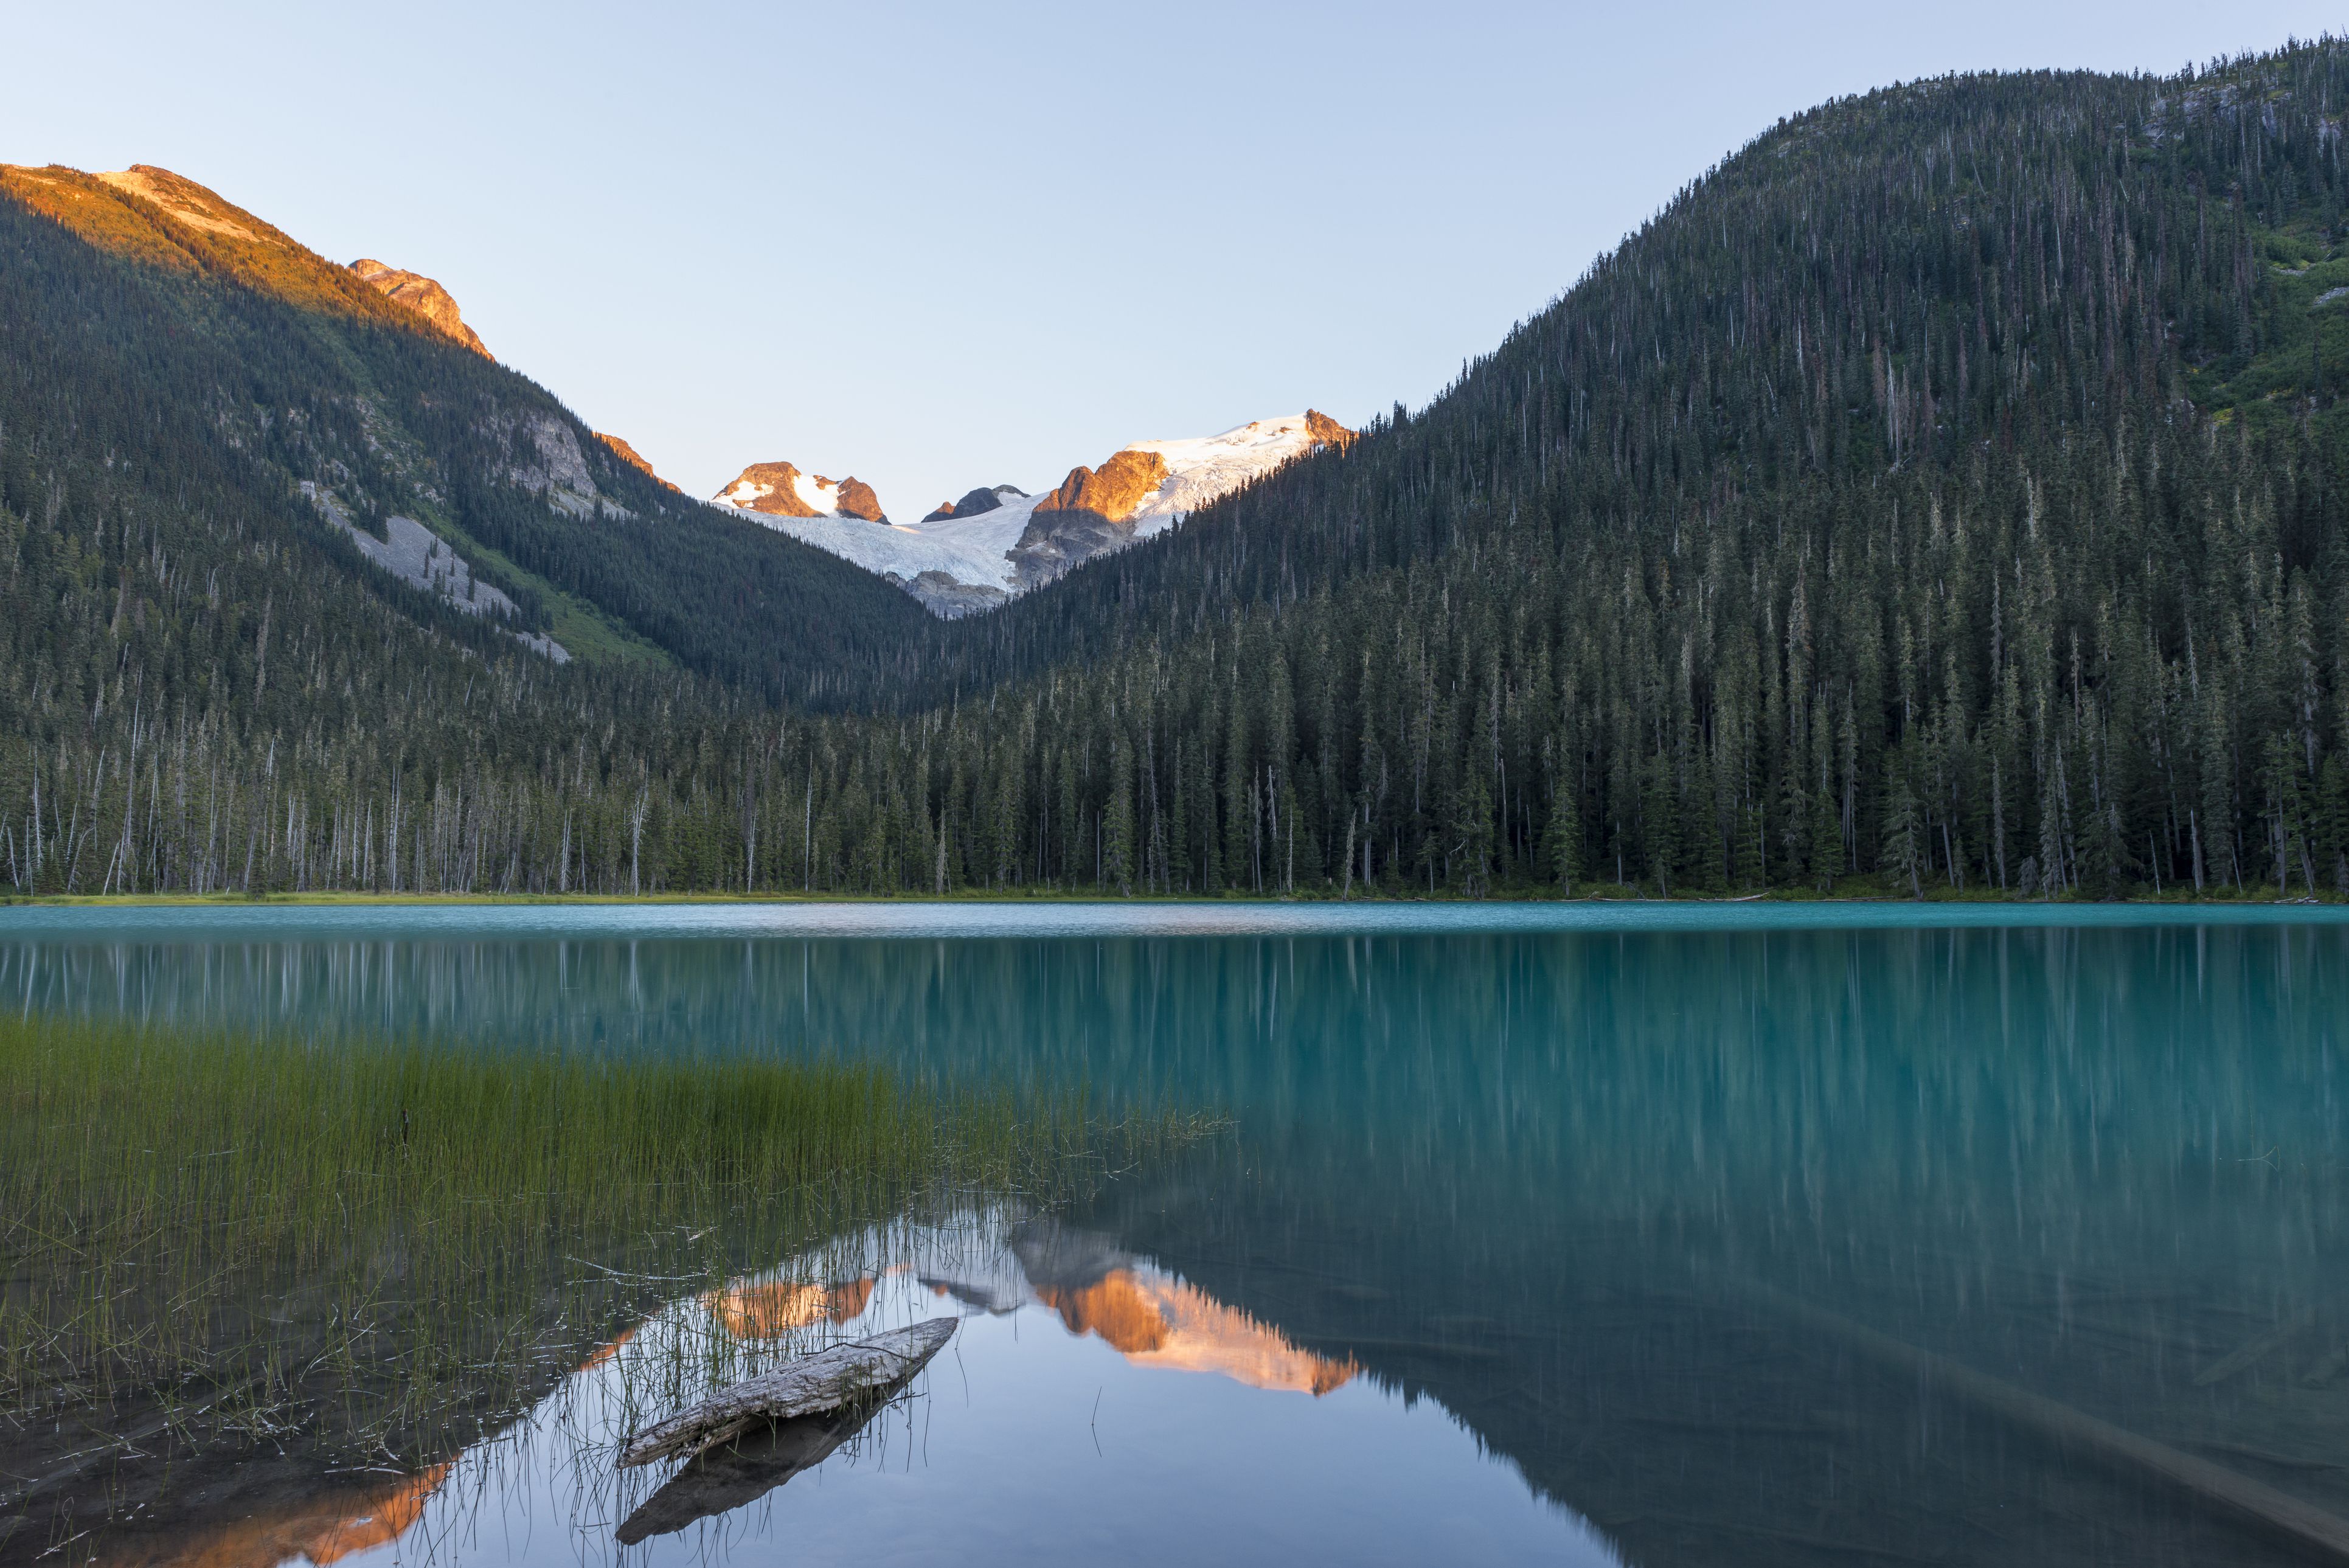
(944, 247)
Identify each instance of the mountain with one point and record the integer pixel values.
(985, 498)
(779, 490)
(420, 294)
(1947, 491)
(997, 542)
(634, 459)
(172, 357)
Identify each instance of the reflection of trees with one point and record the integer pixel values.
(1528, 1193)
(1513, 1173)
(1652, 1070)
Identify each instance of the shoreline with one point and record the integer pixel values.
(2258, 896)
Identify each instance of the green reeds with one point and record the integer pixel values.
(386, 1247)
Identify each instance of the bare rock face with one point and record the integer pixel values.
(780, 489)
(948, 599)
(422, 295)
(1088, 515)
(770, 487)
(1328, 432)
(545, 460)
(422, 559)
(185, 200)
(1111, 491)
(634, 459)
(977, 501)
(857, 499)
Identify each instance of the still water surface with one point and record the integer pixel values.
(1773, 1234)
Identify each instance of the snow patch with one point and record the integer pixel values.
(972, 550)
(820, 493)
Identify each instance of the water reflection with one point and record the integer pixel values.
(331, 1524)
(737, 1474)
(1643, 1210)
(1155, 1319)
(1022, 1421)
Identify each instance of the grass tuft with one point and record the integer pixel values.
(386, 1247)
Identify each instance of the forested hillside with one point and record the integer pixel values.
(163, 364)
(1945, 492)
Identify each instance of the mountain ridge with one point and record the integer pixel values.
(1947, 493)
(369, 405)
(423, 295)
(999, 542)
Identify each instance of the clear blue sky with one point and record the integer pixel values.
(938, 246)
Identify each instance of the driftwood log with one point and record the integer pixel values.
(733, 1474)
(826, 1380)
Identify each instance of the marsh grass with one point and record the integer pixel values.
(379, 1250)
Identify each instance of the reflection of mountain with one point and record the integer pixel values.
(222, 1508)
(1157, 1320)
(321, 1529)
(1508, 1173)
(1150, 1317)
(773, 1309)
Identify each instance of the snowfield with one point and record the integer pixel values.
(1205, 467)
(973, 551)
(976, 551)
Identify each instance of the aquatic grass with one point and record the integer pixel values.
(385, 1246)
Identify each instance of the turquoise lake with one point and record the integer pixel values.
(1640, 1235)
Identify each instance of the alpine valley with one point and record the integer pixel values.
(1944, 494)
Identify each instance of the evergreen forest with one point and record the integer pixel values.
(1947, 494)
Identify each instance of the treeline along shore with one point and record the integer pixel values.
(1945, 495)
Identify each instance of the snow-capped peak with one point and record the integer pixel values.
(1202, 468)
(999, 542)
(780, 489)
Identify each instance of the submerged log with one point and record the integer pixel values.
(2312, 1529)
(2227, 1365)
(2335, 1362)
(812, 1385)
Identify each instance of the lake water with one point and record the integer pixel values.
(1596, 1234)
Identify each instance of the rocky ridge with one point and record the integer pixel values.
(1090, 514)
(633, 458)
(422, 294)
(983, 498)
(780, 489)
